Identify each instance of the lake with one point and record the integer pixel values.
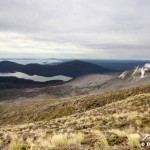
(35, 77)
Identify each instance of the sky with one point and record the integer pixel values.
(93, 29)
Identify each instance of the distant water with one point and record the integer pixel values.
(35, 77)
(29, 61)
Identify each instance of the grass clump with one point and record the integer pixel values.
(61, 140)
(76, 138)
(134, 140)
(101, 143)
(16, 145)
(118, 132)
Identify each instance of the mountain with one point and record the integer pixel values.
(72, 69)
(137, 73)
(15, 83)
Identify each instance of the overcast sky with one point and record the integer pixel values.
(104, 29)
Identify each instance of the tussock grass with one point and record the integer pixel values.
(16, 145)
(102, 143)
(134, 140)
(60, 140)
(32, 111)
(107, 121)
(76, 138)
(118, 132)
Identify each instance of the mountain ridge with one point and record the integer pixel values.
(72, 68)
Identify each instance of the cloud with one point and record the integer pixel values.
(69, 28)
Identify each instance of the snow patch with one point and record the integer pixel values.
(123, 75)
(136, 71)
(141, 70)
(147, 66)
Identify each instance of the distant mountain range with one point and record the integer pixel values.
(72, 68)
